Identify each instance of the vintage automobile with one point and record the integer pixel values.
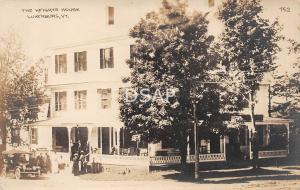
(20, 164)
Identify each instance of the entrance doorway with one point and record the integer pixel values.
(79, 134)
(105, 140)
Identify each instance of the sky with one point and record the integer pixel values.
(89, 23)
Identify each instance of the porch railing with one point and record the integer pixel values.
(161, 160)
(156, 160)
(207, 157)
(124, 160)
(273, 153)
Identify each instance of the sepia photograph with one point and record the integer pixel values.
(150, 94)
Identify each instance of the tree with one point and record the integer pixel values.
(173, 55)
(287, 86)
(286, 90)
(21, 90)
(249, 45)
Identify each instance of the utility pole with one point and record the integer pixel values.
(196, 142)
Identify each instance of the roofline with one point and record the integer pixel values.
(91, 42)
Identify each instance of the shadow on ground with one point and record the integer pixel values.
(43, 177)
(234, 176)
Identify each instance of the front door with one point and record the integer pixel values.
(105, 140)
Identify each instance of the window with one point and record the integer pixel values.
(111, 19)
(80, 99)
(15, 136)
(211, 3)
(106, 58)
(61, 63)
(34, 136)
(60, 101)
(132, 51)
(105, 98)
(80, 61)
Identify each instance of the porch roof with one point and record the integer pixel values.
(273, 121)
(78, 121)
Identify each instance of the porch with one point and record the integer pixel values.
(273, 139)
(111, 144)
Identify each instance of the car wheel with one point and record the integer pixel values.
(4, 172)
(18, 173)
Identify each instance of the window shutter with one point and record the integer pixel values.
(34, 136)
(56, 64)
(56, 101)
(111, 55)
(65, 63)
(76, 61)
(76, 99)
(84, 61)
(109, 98)
(101, 58)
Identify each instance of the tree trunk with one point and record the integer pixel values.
(183, 151)
(254, 135)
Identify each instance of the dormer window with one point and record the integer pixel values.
(111, 12)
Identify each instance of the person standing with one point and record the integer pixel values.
(75, 168)
(74, 149)
(55, 168)
(41, 162)
(48, 163)
(61, 164)
(82, 161)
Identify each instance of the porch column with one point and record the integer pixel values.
(188, 146)
(109, 139)
(100, 138)
(288, 137)
(118, 140)
(250, 144)
(268, 134)
(224, 146)
(69, 138)
(89, 138)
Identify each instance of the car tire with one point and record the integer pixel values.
(3, 172)
(18, 173)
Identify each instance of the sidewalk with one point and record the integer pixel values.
(267, 178)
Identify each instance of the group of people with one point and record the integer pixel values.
(79, 157)
(44, 161)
